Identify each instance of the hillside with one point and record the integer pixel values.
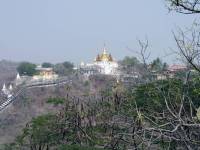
(33, 103)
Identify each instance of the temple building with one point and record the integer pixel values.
(103, 64)
(45, 74)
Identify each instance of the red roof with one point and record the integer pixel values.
(176, 67)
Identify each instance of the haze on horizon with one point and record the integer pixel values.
(76, 30)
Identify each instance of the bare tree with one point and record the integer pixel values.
(188, 43)
(184, 6)
(143, 52)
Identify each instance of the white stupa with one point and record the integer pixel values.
(18, 80)
(10, 87)
(4, 88)
(18, 76)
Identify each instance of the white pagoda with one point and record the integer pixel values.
(103, 64)
(5, 90)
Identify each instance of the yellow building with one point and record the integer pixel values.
(45, 74)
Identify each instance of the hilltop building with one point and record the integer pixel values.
(104, 63)
(45, 74)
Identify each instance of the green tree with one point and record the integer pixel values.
(64, 68)
(68, 65)
(47, 65)
(40, 134)
(26, 68)
(165, 66)
(158, 65)
(130, 61)
(150, 97)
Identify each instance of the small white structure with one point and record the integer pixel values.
(18, 80)
(10, 87)
(4, 87)
(18, 77)
(5, 90)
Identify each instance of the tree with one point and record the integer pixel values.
(158, 65)
(26, 68)
(184, 6)
(165, 66)
(68, 65)
(64, 68)
(130, 61)
(189, 46)
(40, 133)
(47, 65)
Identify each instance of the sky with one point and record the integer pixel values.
(76, 30)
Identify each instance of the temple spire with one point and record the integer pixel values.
(104, 49)
(10, 87)
(4, 87)
(18, 76)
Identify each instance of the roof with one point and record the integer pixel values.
(177, 67)
(104, 56)
(44, 69)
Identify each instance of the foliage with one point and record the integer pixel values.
(65, 68)
(165, 66)
(76, 147)
(55, 100)
(152, 96)
(68, 65)
(86, 83)
(39, 133)
(26, 68)
(194, 92)
(157, 65)
(130, 65)
(47, 65)
(113, 120)
(181, 74)
(130, 61)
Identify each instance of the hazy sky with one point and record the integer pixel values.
(76, 30)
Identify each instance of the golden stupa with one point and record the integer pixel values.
(104, 56)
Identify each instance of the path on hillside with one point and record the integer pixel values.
(22, 88)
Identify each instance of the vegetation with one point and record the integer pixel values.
(158, 66)
(55, 101)
(152, 115)
(65, 68)
(68, 65)
(124, 118)
(47, 65)
(76, 147)
(26, 68)
(130, 61)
